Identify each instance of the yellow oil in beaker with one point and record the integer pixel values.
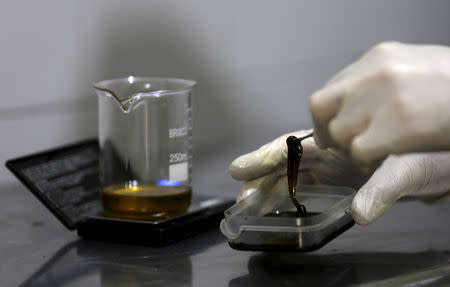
(146, 201)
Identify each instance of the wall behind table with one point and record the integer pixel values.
(256, 61)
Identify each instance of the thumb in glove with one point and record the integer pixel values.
(417, 175)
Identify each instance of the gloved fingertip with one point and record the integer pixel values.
(238, 168)
(359, 212)
(367, 206)
(370, 203)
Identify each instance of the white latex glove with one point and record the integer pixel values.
(395, 99)
(424, 175)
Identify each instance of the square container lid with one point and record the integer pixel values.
(253, 224)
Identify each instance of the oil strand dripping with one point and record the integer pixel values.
(295, 151)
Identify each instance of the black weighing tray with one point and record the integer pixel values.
(65, 180)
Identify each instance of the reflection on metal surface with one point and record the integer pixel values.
(51, 274)
(113, 265)
(117, 266)
(122, 265)
(178, 272)
(346, 269)
(435, 276)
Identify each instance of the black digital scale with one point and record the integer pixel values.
(65, 180)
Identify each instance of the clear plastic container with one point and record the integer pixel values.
(255, 222)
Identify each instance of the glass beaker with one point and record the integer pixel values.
(145, 146)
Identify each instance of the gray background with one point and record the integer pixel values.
(256, 62)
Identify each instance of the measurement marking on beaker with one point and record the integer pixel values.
(178, 132)
(178, 157)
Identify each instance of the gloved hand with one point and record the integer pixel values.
(395, 99)
(422, 175)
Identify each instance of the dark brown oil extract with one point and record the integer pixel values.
(295, 151)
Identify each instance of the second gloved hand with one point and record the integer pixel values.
(422, 175)
(394, 100)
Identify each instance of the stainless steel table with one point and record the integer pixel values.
(411, 243)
